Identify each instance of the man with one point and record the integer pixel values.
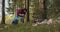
(20, 14)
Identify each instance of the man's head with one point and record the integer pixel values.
(19, 8)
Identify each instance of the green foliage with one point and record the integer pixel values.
(36, 11)
(52, 8)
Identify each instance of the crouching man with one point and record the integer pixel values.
(20, 15)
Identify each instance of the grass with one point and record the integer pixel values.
(27, 27)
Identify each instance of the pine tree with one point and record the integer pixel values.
(3, 11)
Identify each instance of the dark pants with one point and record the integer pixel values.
(15, 20)
(22, 19)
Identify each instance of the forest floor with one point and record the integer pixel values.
(27, 27)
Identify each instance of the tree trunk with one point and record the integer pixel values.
(27, 7)
(44, 4)
(3, 11)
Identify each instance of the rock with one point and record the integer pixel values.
(35, 24)
(44, 22)
(49, 21)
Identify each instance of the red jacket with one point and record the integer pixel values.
(19, 11)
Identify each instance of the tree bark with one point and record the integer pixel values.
(3, 11)
(27, 10)
(44, 4)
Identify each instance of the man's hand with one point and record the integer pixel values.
(21, 14)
